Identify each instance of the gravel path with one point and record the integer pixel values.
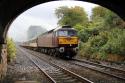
(23, 69)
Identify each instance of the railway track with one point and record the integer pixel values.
(111, 71)
(54, 72)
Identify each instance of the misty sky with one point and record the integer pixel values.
(41, 15)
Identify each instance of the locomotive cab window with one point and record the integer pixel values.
(67, 33)
(72, 33)
(63, 33)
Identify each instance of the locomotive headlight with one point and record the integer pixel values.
(76, 49)
(61, 49)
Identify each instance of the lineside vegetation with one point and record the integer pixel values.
(102, 36)
(11, 50)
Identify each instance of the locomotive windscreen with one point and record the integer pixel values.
(66, 33)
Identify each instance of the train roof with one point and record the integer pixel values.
(63, 27)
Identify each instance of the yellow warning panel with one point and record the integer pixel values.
(68, 40)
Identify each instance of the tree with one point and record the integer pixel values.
(113, 20)
(106, 18)
(104, 35)
(74, 16)
(98, 12)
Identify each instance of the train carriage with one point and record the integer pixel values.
(60, 42)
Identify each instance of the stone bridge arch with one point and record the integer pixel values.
(10, 9)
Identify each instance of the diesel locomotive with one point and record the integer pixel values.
(62, 42)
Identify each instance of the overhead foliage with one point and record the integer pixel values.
(108, 18)
(74, 16)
